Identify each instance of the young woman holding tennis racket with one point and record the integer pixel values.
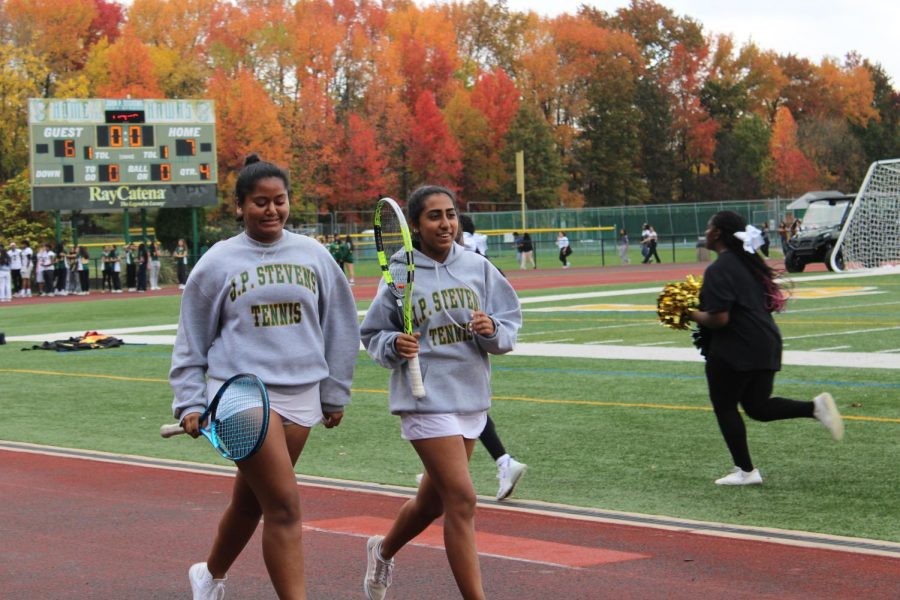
(742, 343)
(464, 310)
(273, 304)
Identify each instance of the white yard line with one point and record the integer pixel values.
(829, 348)
(832, 333)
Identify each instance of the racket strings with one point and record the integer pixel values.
(392, 243)
(241, 418)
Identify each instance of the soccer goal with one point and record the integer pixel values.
(870, 237)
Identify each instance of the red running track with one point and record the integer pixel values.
(81, 528)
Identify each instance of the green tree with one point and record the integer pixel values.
(17, 220)
(20, 72)
(608, 153)
(741, 153)
(544, 175)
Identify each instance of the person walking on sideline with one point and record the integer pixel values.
(444, 425)
(652, 243)
(623, 247)
(527, 252)
(305, 355)
(565, 249)
(742, 343)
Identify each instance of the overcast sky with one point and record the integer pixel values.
(806, 28)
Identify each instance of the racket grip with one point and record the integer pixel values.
(415, 378)
(168, 431)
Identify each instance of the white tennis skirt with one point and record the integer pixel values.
(424, 426)
(302, 407)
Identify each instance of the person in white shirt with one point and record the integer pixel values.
(5, 289)
(27, 268)
(45, 259)
(15, 268)
(562, 242)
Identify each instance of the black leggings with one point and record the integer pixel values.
(752, 390)
(491, 440)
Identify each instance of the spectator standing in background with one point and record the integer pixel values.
(115, 270)
(59, 270)
(153, 254)
(106, 265)
(84, 270)
(143, 263)
(181, 258)
(5, 276)
(15, 268)
(347, 257)
(27, 268)
(130, 268)
(45, 259)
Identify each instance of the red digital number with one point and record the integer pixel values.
(113, 172)
(204, 170)
(165, 172)
(69, 148)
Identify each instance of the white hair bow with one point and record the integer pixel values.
(752, 238)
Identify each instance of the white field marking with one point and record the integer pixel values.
(839, 308)
(887, 351)
(655, 344)
(829, 348)
(657, 290)
(557, 341)
(603, 342)
(831, 333)
(597, 308)
(521, 335)
(861, 360)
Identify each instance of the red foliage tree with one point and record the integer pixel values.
(434, 153)
(360, 176)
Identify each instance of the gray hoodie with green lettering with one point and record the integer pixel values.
(454, 361)
(281, 311)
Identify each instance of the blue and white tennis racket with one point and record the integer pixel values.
(236, 420)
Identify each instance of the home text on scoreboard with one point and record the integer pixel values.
(108, 154)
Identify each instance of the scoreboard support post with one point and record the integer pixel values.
(195, 237)
(126, 225)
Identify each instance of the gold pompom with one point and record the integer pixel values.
(677, 299)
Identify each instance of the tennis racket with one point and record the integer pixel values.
(236, 420)
(392, 240)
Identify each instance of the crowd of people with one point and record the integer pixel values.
(64, 270)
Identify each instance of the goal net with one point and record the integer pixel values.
(870, 237)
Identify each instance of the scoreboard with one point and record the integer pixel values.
(118, 154)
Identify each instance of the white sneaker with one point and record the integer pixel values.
(203, 586)
(379, 572)
(825, 410)
(509, 473)
(738, 476)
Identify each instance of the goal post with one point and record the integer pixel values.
(870, 237)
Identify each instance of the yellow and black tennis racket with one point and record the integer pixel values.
(393, 244)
